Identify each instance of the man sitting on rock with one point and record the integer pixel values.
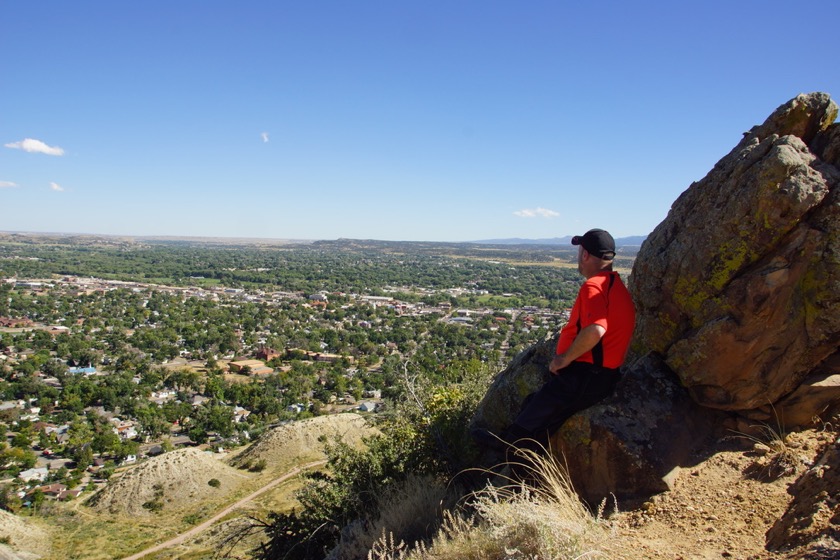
(591, 348)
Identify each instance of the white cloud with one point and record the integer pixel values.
(36, 146)
(4, 184)
(536, 213)
(264, 136)
(56, 187)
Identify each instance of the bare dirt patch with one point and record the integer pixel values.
(727, 506)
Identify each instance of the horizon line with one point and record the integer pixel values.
(296, 240)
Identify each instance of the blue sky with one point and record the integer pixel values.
(437, 121)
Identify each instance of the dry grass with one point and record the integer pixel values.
(23, 535)
(776, 458)
(542, 520)
(409, 512)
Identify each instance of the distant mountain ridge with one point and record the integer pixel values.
(630, 241)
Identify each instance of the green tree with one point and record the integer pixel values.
(152, 420)
(15, 459)
(44, 439)
(36, 499)
(9, 499)
(176, 411)
(106, 441)
(22, 440)
(78, 443)
(126, 448)
(54, 368)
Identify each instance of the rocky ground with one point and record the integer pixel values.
(745, 500)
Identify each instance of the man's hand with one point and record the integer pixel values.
(559, 362)
(585, 340)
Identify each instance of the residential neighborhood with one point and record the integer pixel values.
(102, 373)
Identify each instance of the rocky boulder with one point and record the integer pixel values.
(525, 374)
(628, 445)
(625, 446)
(738, 309)
(739, 287)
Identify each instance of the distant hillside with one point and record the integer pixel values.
(173, 480)
(632, 241)
(297, 442)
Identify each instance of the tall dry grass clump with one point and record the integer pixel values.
(411, 511)
(776, 457)
(542, 518)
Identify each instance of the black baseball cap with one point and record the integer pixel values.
(597, 242)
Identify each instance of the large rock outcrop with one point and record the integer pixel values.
(525, 374)
(739, 287)
(628, 444)
(624, 446)
(738, 309)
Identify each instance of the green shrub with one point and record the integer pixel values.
(258, 466)
(214, 482)
(153, 505)
(427, 435)
(192, 519)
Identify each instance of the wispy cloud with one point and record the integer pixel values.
(264, 137)
(5, 184)
(56, 187)
(35, 146)
(536, 213)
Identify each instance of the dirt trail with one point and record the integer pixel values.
(203, 526)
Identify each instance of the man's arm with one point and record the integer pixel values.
(585, 341)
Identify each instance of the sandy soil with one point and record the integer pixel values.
(725, 506)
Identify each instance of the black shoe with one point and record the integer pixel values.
(485, 438)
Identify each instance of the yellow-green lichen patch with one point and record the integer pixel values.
(815, 293)
(688, 294)
(731, 259)
(523, 387)
(578, 431)
(668, 327)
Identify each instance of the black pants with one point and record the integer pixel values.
(576, 387)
